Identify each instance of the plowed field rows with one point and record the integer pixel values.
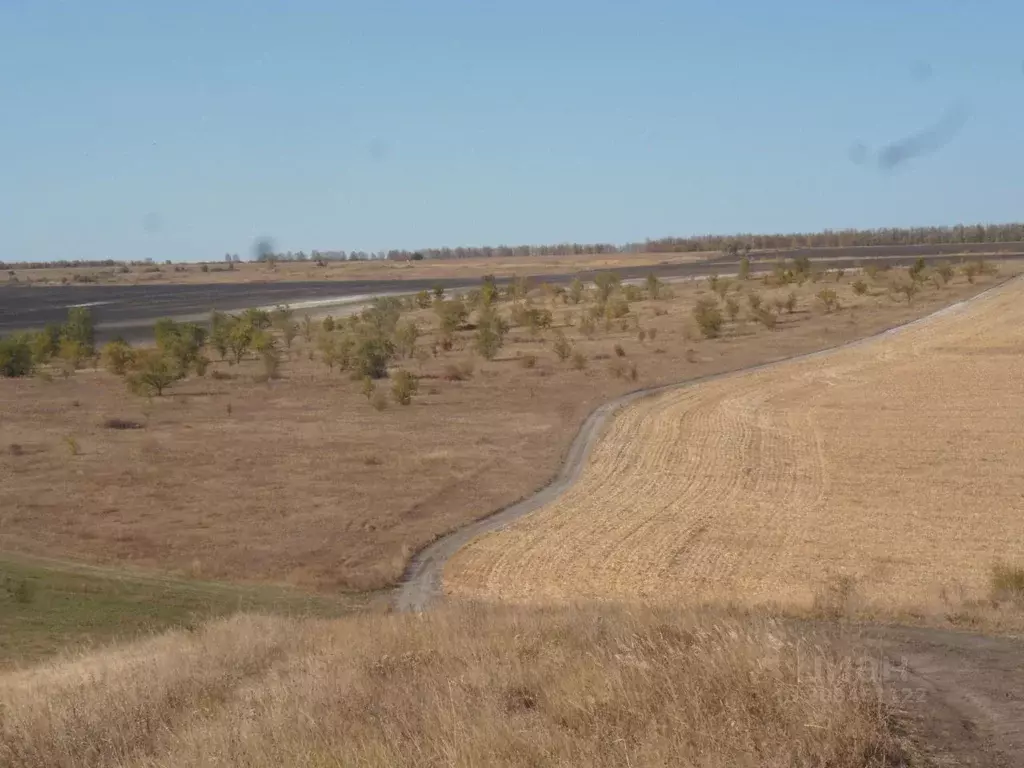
(899, 462)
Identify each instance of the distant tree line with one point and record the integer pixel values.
(961, 233)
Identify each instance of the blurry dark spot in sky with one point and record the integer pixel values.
(152, 222)
(378, 150)
(263, 247)
(921, 70)
(859, 153)
(924, 142)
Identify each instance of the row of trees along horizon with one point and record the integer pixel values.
(728, 244)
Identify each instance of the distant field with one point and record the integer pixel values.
(300, 481)
(285, 271)
(891, 471)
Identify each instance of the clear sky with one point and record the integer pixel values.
(186, 129)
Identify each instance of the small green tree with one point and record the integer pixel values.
(576, 290)
(829, 299)
(372, 351)
(744, 271)
(79, 328)
(606, 283)
(72, 354)
(239, 339)
(708, 317)
(45, 344)
(406, 335)
(15, 356)
(945, 273)
(490, 334)
(403, 386)
(152, 372)
(117, 357)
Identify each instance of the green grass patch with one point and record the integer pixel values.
(48, 607)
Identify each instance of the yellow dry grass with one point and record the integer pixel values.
(898, 463)
(608, 686)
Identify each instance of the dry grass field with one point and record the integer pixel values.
(285, 271)
(889, 473)
(612, 686)
(299, 481)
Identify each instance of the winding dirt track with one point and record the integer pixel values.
(734, 488)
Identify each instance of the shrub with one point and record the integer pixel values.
(907, 287)
(616, 308)
(1007, 583)
(576, 290)
(653, 287)
(270, 356)
(490, 334)
(790, 303)
(744, 271)
(45, 344)
(406, 335)
(916, 272)
(579, 360)
(403, 386)
(222, 375)
(754, 300)
(945, 272)
(117, 357)
(451, 315)
(837, 598)
(72, 354)
(871, 270)
(619, 351)
(79, 328)
(562, 346)
(839, 274)
(458, 372)
(15, 356)
(152, 372)
(708, 318)
(829, 299)
(180, 342)
(528, 361)
(606, 283)
(641, 335)
(860, 287)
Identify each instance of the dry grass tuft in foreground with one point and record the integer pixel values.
(468, 686)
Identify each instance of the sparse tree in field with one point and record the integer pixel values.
(587, 326)
(708, 317)
(606, 283)
(371, 353)
(79, 328)
(117, 357)
(369, 388)
(451, 314)
(840, 273)
(490, 334)
(713, 283)
(239, 339)
(406, 335)
(754, 300)
(971, 271)
(307, 328)
(917, 271)
(220, 329)
(860, 287)
(766, 318)
(576, 291)
(152, 372)
(562, 346)
(181, 342)
(790, 303)
(45, 344)
(908, 288)
(945, 273)
(829, 299)
(653, 287)
(423, 299)
(438, 291)
(403, 386)
(16, 358)
(259, 319)
(270, 356)
(488, 291)
(616, 308)
(744, 270)
(632, 293)
(72, 354)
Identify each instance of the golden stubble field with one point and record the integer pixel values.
(897, 465)
(300, 481)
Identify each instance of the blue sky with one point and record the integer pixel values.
(184, 130)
